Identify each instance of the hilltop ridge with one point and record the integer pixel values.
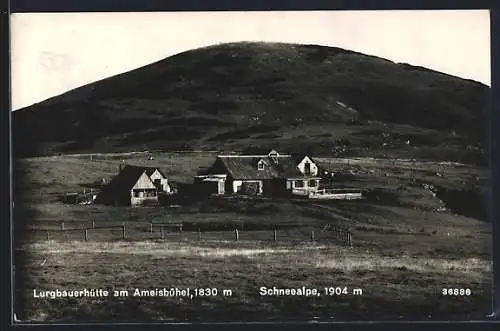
(256, 96)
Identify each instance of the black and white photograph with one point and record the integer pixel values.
(251, 166)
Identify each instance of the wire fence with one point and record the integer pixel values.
(104, 231)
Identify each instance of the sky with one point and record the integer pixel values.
(52, 53)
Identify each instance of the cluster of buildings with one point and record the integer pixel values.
(272, 174)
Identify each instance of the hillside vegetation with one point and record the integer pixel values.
(244, 96)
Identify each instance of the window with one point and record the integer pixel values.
(312, 183)
(157, 182)
(307, 168)
(150, 193)
(299, 183)
(136, 194)
(260, 165)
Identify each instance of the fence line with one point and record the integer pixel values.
(340, 234)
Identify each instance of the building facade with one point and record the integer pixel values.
(134, 185)
(271, 174)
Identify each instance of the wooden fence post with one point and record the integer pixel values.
(162, 232)
(151, 227)
(85, 234)
(350, 239)
(312, 235)
(274, 235)
(93, 224)
(236, 234)
(48, 236)
(123, 231)
(62, 225)
(199, 234)
(180, 227)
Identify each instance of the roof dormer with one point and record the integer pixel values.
(274, 155)
(261, 164)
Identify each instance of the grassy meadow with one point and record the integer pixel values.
(408, 244)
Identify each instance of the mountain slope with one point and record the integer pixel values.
(232, 96)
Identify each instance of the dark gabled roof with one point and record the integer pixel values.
(128, 177)
(245, 167)
(288, 168)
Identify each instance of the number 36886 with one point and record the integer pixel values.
(456, 291)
